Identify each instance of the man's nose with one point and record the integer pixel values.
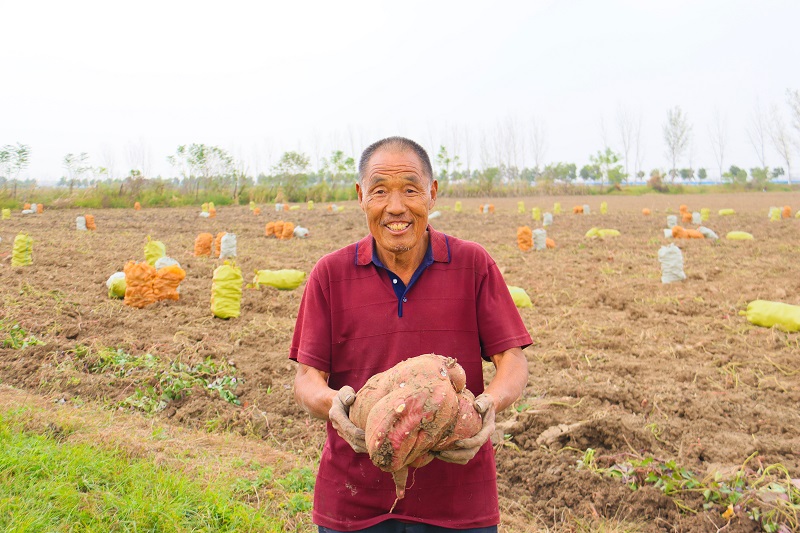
(395, 203)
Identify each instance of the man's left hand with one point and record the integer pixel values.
(465, 449)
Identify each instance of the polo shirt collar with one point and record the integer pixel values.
(437, 242)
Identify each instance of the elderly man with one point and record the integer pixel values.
(404, 290)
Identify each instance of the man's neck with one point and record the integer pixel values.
(404, 264)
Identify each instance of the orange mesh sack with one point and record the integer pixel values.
(645, 211)
(256, 211)
(165, 284)
(212, 212)
(278, 228)
(26, 206)
(218, 243)
(137, 206)
(550, 243)
(694, 234)
(139, 290)
(686, 216)
(577, 210)
(287, 231)
(269, 229)
(285, 207)
(202, 244)
(786, 213)
(90, 222)
(491, 208)
(679, 232)
(524, 238)
(40, 209)
(683, 208)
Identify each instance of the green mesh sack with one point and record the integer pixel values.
(116, 285)
(285, 280)
(153, 251)
(21, 254)
(520, 297)
(767, 314)
(226, 291)
(6, 214)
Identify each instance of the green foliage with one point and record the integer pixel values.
(761, 176)
(53, 486)
(160, 382)
(735, 175)
(209, 168)
(702, 174)
(14, 337)
(606, 167)
(488, 179)
(566, 172)
(298, 480)
(447, 165)
(175, 382)
(590, 172)
(768, 495)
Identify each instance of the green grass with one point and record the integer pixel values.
(50, 486)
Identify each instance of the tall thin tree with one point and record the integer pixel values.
(677, 133)
(757, 133)
(781, 140)
(718, 134)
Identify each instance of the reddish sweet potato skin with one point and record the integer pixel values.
(418, 406)
(468, 422)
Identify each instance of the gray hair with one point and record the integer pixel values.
(401, 144)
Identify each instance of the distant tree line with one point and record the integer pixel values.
(512, 163)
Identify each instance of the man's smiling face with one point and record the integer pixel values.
(396, 196)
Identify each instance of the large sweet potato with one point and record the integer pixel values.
(418, 406)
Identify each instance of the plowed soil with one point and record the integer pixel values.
(621, 362)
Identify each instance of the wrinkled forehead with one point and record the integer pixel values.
(393, 161)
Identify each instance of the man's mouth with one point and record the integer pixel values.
(397, 226)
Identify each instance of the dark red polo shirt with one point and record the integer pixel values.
(348, 325)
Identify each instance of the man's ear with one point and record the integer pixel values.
(434, 191)
(360, 194)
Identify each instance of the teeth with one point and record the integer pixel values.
(397, 226)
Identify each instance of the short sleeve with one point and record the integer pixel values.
(311, 342)
(500, 326)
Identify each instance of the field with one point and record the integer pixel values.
(669, 389)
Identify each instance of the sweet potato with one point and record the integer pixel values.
(418, 406)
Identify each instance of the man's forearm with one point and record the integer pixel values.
(312, 392)
(510, 379)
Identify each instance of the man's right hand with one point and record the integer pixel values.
(340, 419)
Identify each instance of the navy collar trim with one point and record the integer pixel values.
(438, 246)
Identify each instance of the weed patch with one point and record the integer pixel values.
(14, 337)
(766, 494)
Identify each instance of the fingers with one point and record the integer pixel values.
(341, 422)
(483, 402)
(482, 436)
(355, 438)
(459, 457)
(347, 395)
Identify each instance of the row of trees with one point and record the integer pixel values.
(204, 170)
(199, 168)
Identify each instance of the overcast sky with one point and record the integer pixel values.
(119, 79)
